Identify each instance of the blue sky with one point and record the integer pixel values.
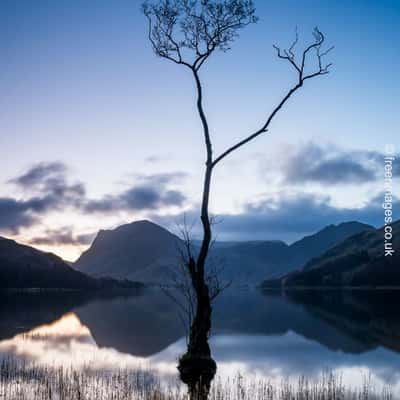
(82, 88)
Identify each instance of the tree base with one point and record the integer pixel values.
(197, 371)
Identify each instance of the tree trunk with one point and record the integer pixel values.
(197, 368)
(200, 329)
(198, 341)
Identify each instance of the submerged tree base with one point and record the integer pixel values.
(197, 372)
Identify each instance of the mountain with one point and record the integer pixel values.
(252, 262)
(357, 261)
(140, 251)
(25, 267)
(314, 245)
(146, 252)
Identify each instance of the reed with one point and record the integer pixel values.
(21, 380)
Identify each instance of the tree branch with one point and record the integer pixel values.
(261, 130)
(289, 56)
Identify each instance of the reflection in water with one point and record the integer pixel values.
(67, 342)
(369, 317)
(282, 336)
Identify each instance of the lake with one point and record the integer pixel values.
(355, 334)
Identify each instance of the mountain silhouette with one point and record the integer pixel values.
(26, 267)
(357, 261)
(146, 252)
(141, 251)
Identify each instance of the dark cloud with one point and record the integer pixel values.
(288, 218)
(161, 179)
(14, 215)
(296, 216)
(151, 194)
(48, 181)
(40, 174)
(148, 197)
(328, 164)
(396, 167)
(62, 236)
(50, 189)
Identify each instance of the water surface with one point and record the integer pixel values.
(354, 334)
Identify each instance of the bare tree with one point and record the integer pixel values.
(188, 32)
(180, 287)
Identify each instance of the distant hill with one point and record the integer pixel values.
(252, 262)
(314, 245)
(146, 252)
(25, 267)
(357, 261)
(140, 251)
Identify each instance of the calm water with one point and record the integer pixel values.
(263, 334)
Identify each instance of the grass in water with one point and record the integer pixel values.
(27, 381)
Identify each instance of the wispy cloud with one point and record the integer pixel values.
(286, 217)
(15, 214)
(47, 188)
(41, 174)
(329, 164)
(151, 193)
(62, 236)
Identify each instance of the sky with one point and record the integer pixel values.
(96, 131)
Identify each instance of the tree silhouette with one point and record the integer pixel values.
(188, 33)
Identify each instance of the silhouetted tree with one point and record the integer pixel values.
(188, 33)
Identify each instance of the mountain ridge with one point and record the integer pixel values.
(147, 252)
(124, 245)
(357, 261)
(23, 266)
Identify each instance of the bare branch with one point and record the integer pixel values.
(296, 40)
(287, 56)
(261, 130)
(290, 56)
(181, 29)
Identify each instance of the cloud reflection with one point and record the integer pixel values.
(67, 342)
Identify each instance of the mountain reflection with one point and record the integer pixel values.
(67, 342)
(368, 317)
(300, 333)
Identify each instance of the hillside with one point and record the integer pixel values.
(25, 267)
(146, 252)
(314, 245)
(141, 251)
(357, 261)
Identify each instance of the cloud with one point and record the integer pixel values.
(288, 218)
(15, 215)
(151, 193)
(40, 174)
(48, 181)
(327, 164)
(48, 189)
(62, 236)
(295, 216)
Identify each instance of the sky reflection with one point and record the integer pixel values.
(68, 342)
